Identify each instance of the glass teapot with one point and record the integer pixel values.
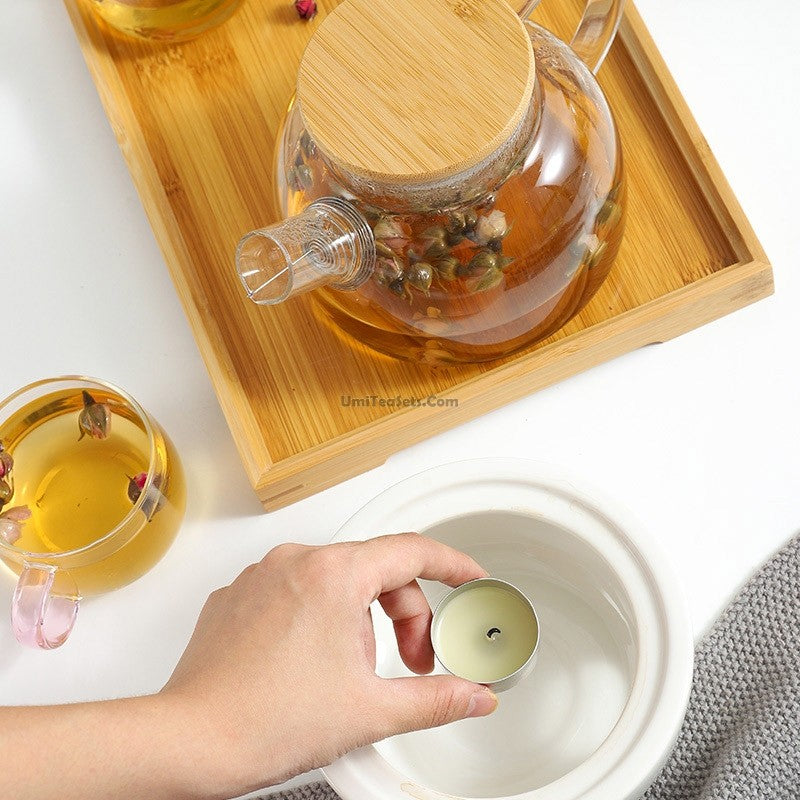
(450, 176)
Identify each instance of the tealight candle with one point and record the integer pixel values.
(486, 631)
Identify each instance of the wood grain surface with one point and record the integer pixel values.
(402, 90)
(196, 123)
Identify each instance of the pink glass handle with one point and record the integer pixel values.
(40, 616)
(596, 30)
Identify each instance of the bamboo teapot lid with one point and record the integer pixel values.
(413, 91)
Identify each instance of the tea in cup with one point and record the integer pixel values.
(164, 20)
(91, 496)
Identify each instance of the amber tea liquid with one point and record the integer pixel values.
(77, 489)
(164, 19)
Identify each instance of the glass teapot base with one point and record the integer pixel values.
(436, 349)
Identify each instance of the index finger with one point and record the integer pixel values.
(397, 559)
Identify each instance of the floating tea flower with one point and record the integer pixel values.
(6, 478)
(456, 227)
(420, 276)
(409, 259)
(483, 260)
(301, 177)
(595, 249)
(446, 267)
(153, 500)
(434, 234)
(6, 462)
(11, 523)
(307, 145)
(6, 491)
(391, 233)
(436, 250)
(609, 214)
(490, 229)
(491, 278)
(95, 419)
(135, 486)
(398, 286)
(383, 249)
(387, 270)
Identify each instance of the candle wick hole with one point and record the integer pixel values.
(493, 633)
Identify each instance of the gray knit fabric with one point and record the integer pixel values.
(311, 791)
(741, 736)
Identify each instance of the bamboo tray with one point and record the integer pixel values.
(197, 122)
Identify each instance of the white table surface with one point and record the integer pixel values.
(700, 436)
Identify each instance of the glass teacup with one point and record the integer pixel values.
(92, 495)
(164, 20)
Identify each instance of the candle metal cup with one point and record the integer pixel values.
(493, 633)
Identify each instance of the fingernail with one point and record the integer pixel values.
(483, 702)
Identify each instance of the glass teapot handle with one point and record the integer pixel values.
(44, 606)
(595, 32)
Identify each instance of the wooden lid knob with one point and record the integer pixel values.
(411, 91)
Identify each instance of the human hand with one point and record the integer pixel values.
(279, 676)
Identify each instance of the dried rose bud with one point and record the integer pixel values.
(301, 178)
(11, 523)
(135, 486)
(436, 233)
(609, 213)
(436, 250)
(387, 270)
(492, 226)
(400, 287)
(391, 232)
(489, 279)
(383, 249)
(153, 500)
(305, 8)
(6, 462)
(307, 145)
(6, 492)
(95, 419)
(446, 267)
(481, 261)
(420, 276)
(455, 223)
(595, 250)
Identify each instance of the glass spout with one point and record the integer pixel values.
(330, 242)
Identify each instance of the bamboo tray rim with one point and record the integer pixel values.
(628, 318)
(283, 480)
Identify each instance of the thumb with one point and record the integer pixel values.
(432, 700)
